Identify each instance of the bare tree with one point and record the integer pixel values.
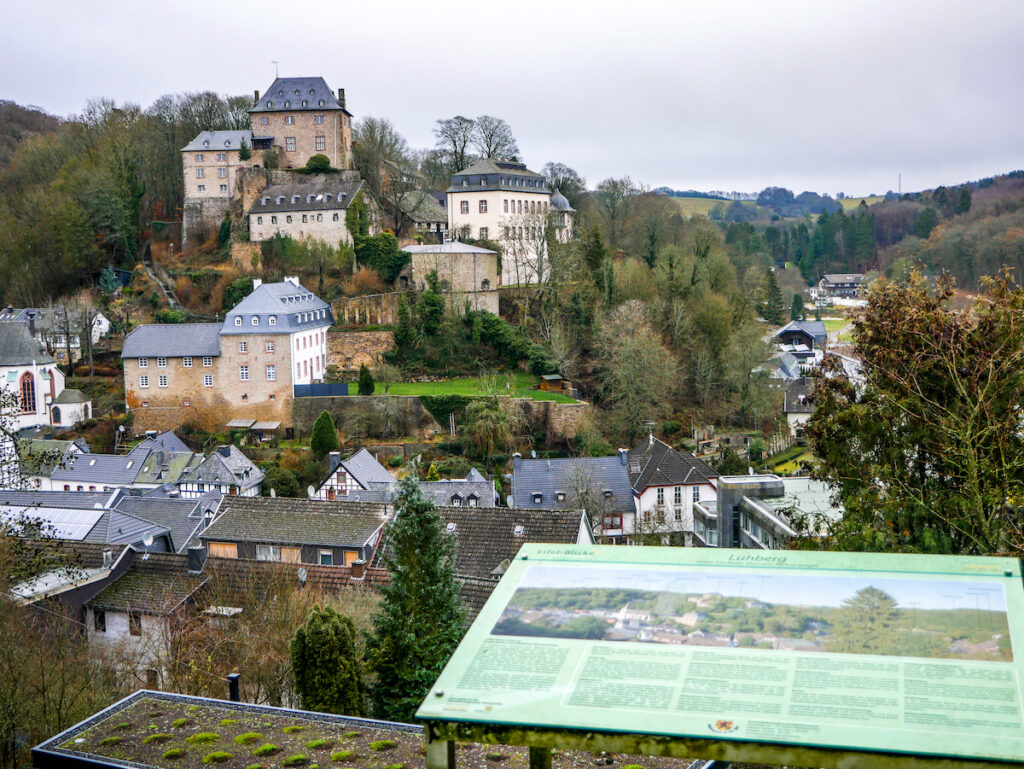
(375, 142)
(492, 138)
(454, 136)
(565, 179)
(613, 199)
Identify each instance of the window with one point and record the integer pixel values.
(273, 322)
(208, 380)
(200, 173)
(143, 381)
(243, 346)
(145, 405)
(506, 205)
(319, 217)
(519, 206)
(200, 157)
(612, 522)
(186, 402)
(161, 362)
(222, 173)
(223, 188)
(661, 495)
(238, 320)
(538, 498)
(679, 514)
(304, 219)
(202, 188)
(326, 557)
(483, 206)
(289, 143)
(464, 207)
(134, 623)
(696, 493)
(483, 233)
(268, 553)
(207, 360)
(288, 219)
(222, 157)
(678, 495)
(143, 362)
(273, 220)
(318, 119)
(243, 373)
(507, 233)
(162, 380)
(289, 119)
(187, 361)
(255, 320)
(99, 621)
(560, 496)
(271, 373)
(335, 217)
(321, 143)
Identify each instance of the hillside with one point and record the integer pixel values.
(18, 123)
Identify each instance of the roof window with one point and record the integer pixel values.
(607, 493)
(206, 142)
(450, 528)
(519, 530)
(321, 102)
(537, 497)
(305, 103)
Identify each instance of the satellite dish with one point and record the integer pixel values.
(533, 453)
(310, 492)
(508, 501)
(147, 539)
(273, 494)
(302, 575)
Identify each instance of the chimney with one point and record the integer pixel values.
(196, 559)
(517, 458)
(358, 569)
(341, 97)
(333, 460)
(293, 279)
(623, 456)
(255, 97)
(224, 451)
(256, 283)
(108, 559)
(31, 323)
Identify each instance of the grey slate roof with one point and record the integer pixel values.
(653, 462)
(216, 141)
(112, 469)
(295, 522)
(116, 527)
(813, 328)
(173, 340)
(326, 196)
(286, 94)
(39, 456)
(227, 465)
(548, 477)
(560, 203)
(798, 397)
(287, 302)
(155, 585)
(844, 277)
(162, 467)
(181, 517)
(441, 492)
(70, 396)
(421, 206)
(365, 468)
(452, 247)
(498, 175)
(165, 441)
(18, 347)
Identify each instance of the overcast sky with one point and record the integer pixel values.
(825, 96)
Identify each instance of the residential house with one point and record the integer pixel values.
(301, 211)
(210, 164)
(245, 367)
(848, 285)
(294, 530)
(798, 407)
(428, 217)
(300, 117)
(29, 374)
(227, 471)
(506, 202)
(37, 459)
(57, 329)
(467, 274)
(353, 476)
(802, 338)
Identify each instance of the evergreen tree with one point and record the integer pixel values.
(866, 623)
(432, 473)
(772, 306)
(925, 223)
(108, 281)
(796, 312)
(365, 381)
(430, 306)
(963, 201)
(403, 329)
(324, 664)
(244, 153)
(817, 311)
(420, 620)
(324, 439)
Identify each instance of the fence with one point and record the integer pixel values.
(320, 389)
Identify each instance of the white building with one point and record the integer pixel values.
(29, 375)
(303, 211)
(507, 203)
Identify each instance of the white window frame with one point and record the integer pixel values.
(187, 361)
(271, 373)
(243, 346)
(243, 373)
(464, 207)
(289, 144)
(200, 173)
(696, 493)
(272, 320)
(207, 361)
(143, 362)
(321, 143)
(270, 345)
(255, 320)
(207, 380)
(238, 320)
(161, 362)
(268, 552)
(144, 381)
(321, 554)
(483, 207)
(161, 380)
(222, 173)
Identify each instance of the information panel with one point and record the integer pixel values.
(909, 654)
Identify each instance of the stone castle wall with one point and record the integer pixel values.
(348, 350)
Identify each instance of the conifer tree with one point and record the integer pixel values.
(772, 306)
(324, 664)
(432, 473)
(324, 438)
(420, 620)
(365, 381)
(796, 312)
(403, 328)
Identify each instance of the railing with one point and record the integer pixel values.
(320, 389)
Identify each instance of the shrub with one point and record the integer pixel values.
(177, 723)
(380, 745)
(366, 383)
(248, 738)
(324, 438)
(202, 738)
(217, 757)
(297, 760)
(494, 757)
(395, 461)
(283, 481)
(160, 737)
(318, 743)
(268, 749)
(112, 741)
(173, 753)
(171, 316)
(293, 729)
(342, 755)
(318, 164)
(364, 281)
(395, 766)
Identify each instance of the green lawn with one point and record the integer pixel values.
(696, 206)
(851, 203)
(832, 325)
(520, 385)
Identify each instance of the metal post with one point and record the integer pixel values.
(440, 754)
(233, 687)
(540, 758)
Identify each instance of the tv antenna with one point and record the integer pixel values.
(275, 69)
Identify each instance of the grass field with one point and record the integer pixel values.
(851, 203)
(696, 206)
(520, 385)
(832, 325)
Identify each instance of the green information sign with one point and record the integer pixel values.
(888, 654)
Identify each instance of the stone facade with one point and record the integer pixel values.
(298, 141)
(211, 173)
(467, 273)
(348, 350)
(200, 217)
(378, 309)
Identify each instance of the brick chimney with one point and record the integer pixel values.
(623, 454)
(358, 569)
(341, 97)
(255, 97)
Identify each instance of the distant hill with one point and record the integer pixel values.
(18, 123)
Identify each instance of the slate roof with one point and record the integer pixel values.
(284, 301)
(238, 578)
(452, 247)
(19, 348)
(844, 277)
(421, 206)
(235, 468)
(116, 527)
(365, 468)
(561, 203)
(173, 340)
(813, 328)
(474, 592)
(295, 522)
(70, 396)
(69, 500)
(550, 476)
(497, 175)
(798, 397)
(162, 467)
(653, 462)
(286, 94)
(157, 584)
(165, 441)
(182, 517)
(218, 140)
(111, 469)
(325, 196)
(39, 456)
(440, 492)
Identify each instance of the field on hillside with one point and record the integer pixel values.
(521, 386)
(851, 203)
(696, 206)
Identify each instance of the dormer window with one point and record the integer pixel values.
(560, 496)
(272, 320)
(270, 104)
(280, 199)
(465, 182)
(321, 102)
(327, 198)
(456, 501)
(255, 320)
(537, 498)
(295, 198)
(264, 201)
(607, 493)
(309, 198)
(287, 102)
(206, 143)
(238, 320)
(519, 530)
(227, 142)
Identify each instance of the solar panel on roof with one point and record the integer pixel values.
(63, 523)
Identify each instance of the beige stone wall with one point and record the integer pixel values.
(212, 169)
(328, 226)
(459, 272)
(335, 130)
(242, 257)
(348, 350)
(372, 309)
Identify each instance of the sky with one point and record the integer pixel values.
(717, 95)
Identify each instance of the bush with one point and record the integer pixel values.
(171, 316)
(228, 721)
(292, 729)
(248, 738)
(283, 481)
(395, 461)
(453, 467)
(202, 738)
(217, 757)
(382, 745)
(173, 753)
(318, 164)
(297, 760)
(324, 438)
(268, 749)
(158, 738)
(111, 741)
(364, 281)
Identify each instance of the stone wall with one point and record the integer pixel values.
(348, 350)
(559, 420)
(379, 309)
(200, 217)
(335, 131)
(242, 257)
(253, 181)
(367, 416)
